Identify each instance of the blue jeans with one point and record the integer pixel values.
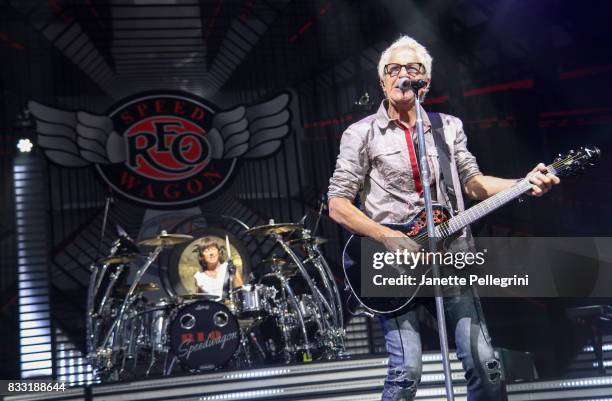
(474, 350)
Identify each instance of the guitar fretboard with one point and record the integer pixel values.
(485, 207)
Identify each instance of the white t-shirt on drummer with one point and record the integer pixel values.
(212, 285)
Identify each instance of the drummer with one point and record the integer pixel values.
(214, 277)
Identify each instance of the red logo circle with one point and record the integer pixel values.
(167, 148)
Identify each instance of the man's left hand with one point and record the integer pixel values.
(541, 180)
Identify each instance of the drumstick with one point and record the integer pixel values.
(227, 247)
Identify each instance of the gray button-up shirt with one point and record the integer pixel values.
(374, 159)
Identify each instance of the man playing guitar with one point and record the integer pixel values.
(378, 159)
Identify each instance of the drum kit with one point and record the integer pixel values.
(291, 312)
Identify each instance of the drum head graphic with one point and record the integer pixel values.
(204, 335)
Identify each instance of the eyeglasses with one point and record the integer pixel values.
(394, 69)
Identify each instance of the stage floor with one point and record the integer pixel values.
(347, 380)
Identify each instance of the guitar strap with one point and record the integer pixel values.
(450, 188)
(437, 130)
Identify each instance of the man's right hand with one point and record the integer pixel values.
(342, 211)
(396, 240)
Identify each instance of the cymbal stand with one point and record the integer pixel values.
(154, 359)
(300, 265)
(326, 305)
(95, 280)
(317, 259)
(322, 206)
(316, 294)
(244, 349)
(279, 313)
(169, 366)
(334, 332)
(100, 312)
(113, 279)
(100, 275)
(315, 254)
(127, 301)
(324, 267)
(108, 201)
(325, 271)
(151, 363)
(288, 295)
(296, 305)
(89, 335)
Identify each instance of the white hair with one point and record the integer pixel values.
(406, 42)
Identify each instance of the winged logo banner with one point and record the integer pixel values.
(163, 149)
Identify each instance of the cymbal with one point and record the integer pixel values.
(276, 228)
(274, 261)
(287, 273)
(165, 239)
(196, 297)
(307, 241)
(278, 264)
(118, 259)
(142, 287)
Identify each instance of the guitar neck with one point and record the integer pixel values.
(485, 207)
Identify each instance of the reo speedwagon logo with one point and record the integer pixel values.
(168, 152)
(163, 149)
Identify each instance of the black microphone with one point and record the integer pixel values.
(405, 84)
(418, 84)
(126, 243)
(323, 201)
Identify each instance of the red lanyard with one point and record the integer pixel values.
(416, 175)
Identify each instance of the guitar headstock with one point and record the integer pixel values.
(574, 161)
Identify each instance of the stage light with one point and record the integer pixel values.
(25, 145)
(23, 128)
(605, 347)
(265, 373)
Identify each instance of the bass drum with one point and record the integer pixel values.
(204, 335)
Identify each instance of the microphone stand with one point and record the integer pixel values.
(108, 201)
(322, 202)
(95, 278)
(431, 234)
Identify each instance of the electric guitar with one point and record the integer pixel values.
(447, 226)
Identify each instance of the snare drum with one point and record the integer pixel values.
(253, 300)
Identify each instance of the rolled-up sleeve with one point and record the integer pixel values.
(352, 165)
(467, 167)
